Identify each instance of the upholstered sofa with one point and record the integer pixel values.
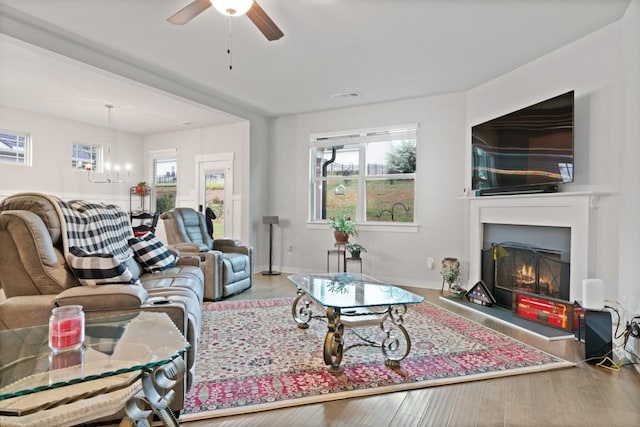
(35, 276)
(227, 263)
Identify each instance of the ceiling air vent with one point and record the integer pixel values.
(351, 94)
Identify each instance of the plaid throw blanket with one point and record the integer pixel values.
(96, 228)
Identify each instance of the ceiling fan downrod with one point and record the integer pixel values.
(230, 45)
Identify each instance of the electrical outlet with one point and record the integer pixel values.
(430, 263)
(619, 354)
(290, 249)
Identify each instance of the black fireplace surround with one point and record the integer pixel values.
(511, 266)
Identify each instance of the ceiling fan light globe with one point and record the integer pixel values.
(232, 7)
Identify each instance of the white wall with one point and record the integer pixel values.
(254, 176)
(194, 142)
(233, 138)
(629, 167)
(51, 172)
(603, 69)
(396, 256)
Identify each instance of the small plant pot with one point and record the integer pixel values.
(355, 254)
(457, 293)
(341, 237)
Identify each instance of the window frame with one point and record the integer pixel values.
(28, 147)
(98, 152)
(361, 138)
(154, 157)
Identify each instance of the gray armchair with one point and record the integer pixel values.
(227, 264)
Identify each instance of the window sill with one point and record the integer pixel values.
(398, 227)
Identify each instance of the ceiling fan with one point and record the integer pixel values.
(231, 8)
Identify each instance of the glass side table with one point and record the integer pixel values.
(130, 360)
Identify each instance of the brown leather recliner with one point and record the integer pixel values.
(35, 277)
(227, 264)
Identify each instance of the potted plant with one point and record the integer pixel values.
(141, 187)
(451, 275)
(355, 249)
(342, 227)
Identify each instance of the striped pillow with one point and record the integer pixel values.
(98, 269)
(151, 253)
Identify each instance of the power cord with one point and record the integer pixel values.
(631, 330)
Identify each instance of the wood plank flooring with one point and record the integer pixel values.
(582, 396)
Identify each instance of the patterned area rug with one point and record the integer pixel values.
(253, 357)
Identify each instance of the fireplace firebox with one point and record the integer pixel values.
(509, 267)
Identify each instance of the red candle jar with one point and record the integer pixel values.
(66, 328)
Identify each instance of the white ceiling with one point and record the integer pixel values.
(383, 49)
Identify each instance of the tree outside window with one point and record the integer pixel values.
(383, 190)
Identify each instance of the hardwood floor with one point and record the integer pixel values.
(582, 396)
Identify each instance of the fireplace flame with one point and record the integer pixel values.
(526, 271)
(525, 275)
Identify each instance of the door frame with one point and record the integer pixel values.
(225, 161)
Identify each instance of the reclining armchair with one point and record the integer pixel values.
(227, 264)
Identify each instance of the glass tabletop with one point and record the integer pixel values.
(352, 290)
(113, 346)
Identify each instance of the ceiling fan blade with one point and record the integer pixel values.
(261, 20)
(189, 12)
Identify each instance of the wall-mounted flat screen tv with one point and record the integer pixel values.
(526, 148)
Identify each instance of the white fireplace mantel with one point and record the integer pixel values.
(573, 210)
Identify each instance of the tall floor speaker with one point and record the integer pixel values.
(598, 336)
(270, 220)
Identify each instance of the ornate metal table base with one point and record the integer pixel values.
(156, 394)
(395, 345)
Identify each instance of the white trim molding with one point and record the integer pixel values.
(573, 210)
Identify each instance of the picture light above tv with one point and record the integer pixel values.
(526, 151)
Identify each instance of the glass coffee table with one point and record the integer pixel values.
(129, 360)
(354, 300)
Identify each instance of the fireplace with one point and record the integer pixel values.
(509, 267)
(573, 212)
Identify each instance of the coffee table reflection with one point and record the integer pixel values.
(354, 300)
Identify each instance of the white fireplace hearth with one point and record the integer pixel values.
(573, 210)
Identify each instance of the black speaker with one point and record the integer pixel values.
(598, 336)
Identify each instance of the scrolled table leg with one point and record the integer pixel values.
(334, 341)
(156, 394)
(301, 310)
(397, 344)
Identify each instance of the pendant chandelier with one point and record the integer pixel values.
(111, 172)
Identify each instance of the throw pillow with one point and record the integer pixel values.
(93, 269)
(151, 253)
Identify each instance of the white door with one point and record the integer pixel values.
(215, 191)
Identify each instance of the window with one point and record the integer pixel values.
(15, 148)
(85, 156)
(165, 182)
(369, 175)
